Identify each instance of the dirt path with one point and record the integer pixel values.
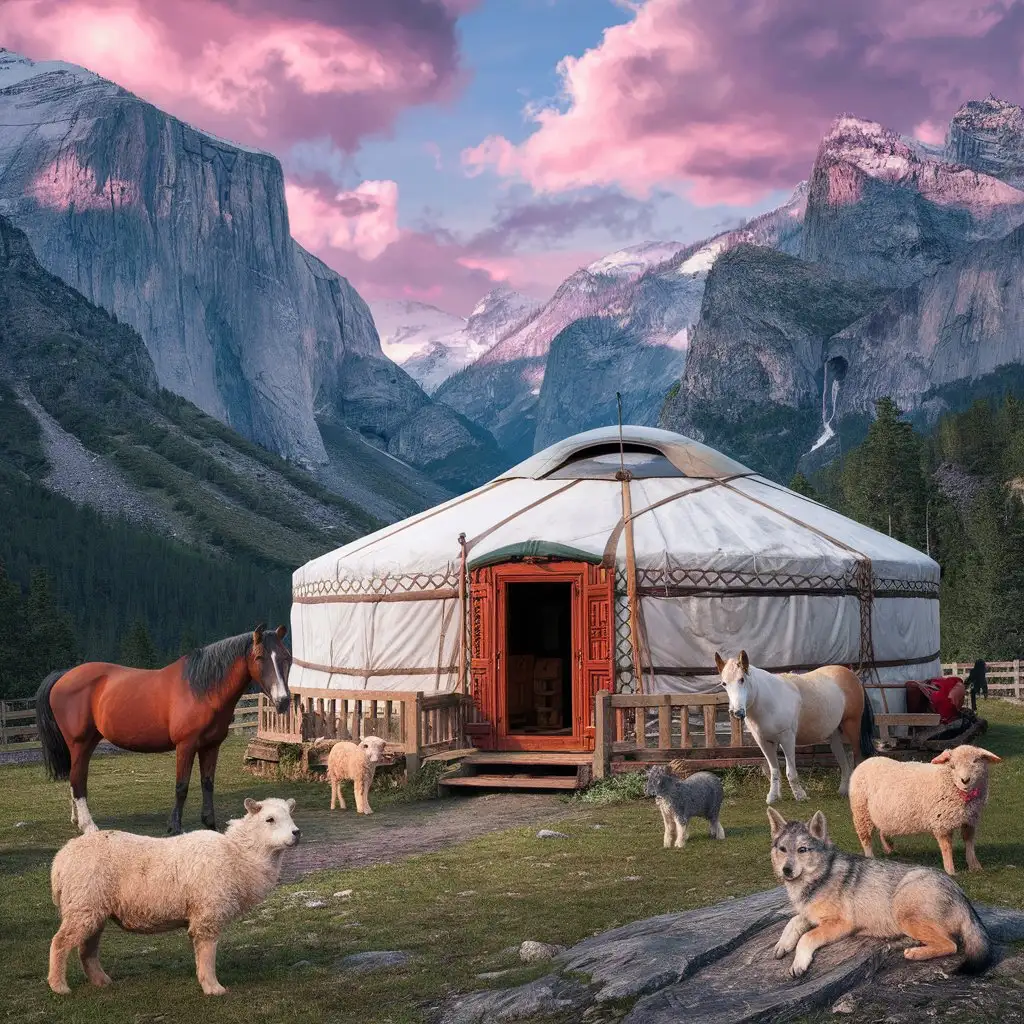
(32, 755)
(350, 840)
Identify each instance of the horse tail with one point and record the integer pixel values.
(867, 728)
(56, 755)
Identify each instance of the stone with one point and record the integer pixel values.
(343, 895)
(375, 960)
(547, 996)
(1003, 924)
(647, 955)
(547, 833)
(845, 1005)
(314, 904)
(532, 952)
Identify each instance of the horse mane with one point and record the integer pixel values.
(206, 667)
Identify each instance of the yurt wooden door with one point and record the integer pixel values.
(542, 644)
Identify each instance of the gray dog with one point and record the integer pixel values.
(679, 800)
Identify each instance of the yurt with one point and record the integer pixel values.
(618, 559)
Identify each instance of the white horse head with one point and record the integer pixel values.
(734, 673)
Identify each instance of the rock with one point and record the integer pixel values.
(375, 960)
(647, 955)
(845, 1005)
(547, 996)
(343, 895)
(491, 975)
(313, 904)
(531, 952)
(547, 833)
(1003, 924)
(20, 824)
(751, 985)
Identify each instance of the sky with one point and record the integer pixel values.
(435, 148)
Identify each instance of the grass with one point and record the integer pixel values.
(457, 911)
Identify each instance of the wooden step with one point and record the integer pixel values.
(513, 781)
(524, 757)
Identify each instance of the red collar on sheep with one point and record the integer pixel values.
(969, 795)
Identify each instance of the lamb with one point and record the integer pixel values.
(902, 798)
(358, 762)
(200, 879)
(699, 796)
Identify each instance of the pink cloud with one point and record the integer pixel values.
(930, 132)
(266, 72)
(725, 102)
(363, 220)
(357, 234)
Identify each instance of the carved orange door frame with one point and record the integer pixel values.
(593, 644)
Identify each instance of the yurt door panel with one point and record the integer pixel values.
(483, 664)
(596, 643)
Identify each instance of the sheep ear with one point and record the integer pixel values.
(744, 662)
(986, 755)
(719, 664)
(291, 804)
(818, 827)
(252, 806)
(776, 821)
(942, 758)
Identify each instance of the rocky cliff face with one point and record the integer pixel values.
(764, 323)
(647, 297)
(961, 323)
(883, 210)
(988, 135)
(185, 237)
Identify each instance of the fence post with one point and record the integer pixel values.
(602, 748)
(414, 748)
(3, 723)
(1016, 678)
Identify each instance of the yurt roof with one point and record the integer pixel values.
(700, 519)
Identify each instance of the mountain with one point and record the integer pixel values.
(908, 285)
(431, 344)
(186, 237)
(647, 295)
(884, 209)
(139, 506)
(754, 371)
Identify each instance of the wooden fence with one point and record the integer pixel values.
(1004, 677)
(18, 719)
(695, 727)
(415, 724)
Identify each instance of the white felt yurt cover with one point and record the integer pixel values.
(725, 559)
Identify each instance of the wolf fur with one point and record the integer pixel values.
(902, 798)
(698, 796)
(358, 762)
(836, 894)
(202, 880)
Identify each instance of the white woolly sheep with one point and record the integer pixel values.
(902, 798)
(200, 879)
(358, 762)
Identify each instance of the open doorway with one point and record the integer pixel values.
(538, 633)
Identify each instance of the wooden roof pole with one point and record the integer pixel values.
(631, 596)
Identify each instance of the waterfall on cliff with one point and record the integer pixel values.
(828, 410)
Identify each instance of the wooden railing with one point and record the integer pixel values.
(416, 723)
(18, 719)
(693, 727)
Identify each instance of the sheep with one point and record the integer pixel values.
(699, 796)
(358, 762)
(144, 884)
(902, 798)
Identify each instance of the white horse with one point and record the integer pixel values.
(798, 710)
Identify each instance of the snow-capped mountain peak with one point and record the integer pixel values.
(634, 260)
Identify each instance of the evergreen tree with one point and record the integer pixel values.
(883, 484)
(802, 485)
(137, 650)
(12, 628)
(50, 635)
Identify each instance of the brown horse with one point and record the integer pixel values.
(186, 707)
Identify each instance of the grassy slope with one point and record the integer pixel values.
(457, 910)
